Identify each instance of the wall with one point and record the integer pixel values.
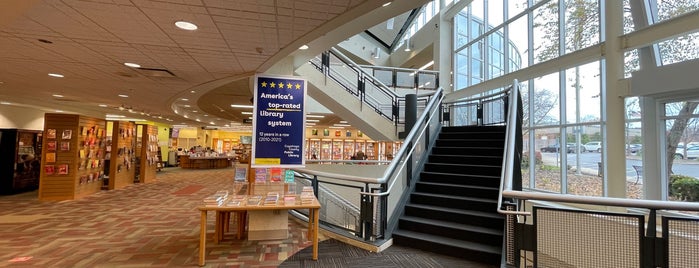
(21, 117)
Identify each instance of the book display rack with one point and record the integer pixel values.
(149, 157)
(74, 150)
(122, 169)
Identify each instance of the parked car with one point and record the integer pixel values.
(634, 148)
(593, 146)
(555, 147)
(692, 152)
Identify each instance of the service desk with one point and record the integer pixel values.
(205, 162)
(313, 215)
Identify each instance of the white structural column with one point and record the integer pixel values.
(443, 51)
(615, 158)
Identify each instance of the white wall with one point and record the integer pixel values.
(21, 117)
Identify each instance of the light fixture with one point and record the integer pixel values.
(304, 47)
(335, 127)
(56, 75)
(315, 116)
(426, 65)
(343, 122)
(184, 99)
(59, 111)
(102, 105)
(342, 125)
(248, 113)
(5, 103)
(242, 106)
(185, 25)
(187, 106)
(376, 53)
(123, 95)
(387, 4)
(192, 91)
(312, 120)
(132, 65)
(57, 95)
(407, 44)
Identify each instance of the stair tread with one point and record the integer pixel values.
(467, 155)
(459, 211)
(449, 241)
(455, 225)
(462, 164)
(459, 185)
(463, 175)
(478, 199)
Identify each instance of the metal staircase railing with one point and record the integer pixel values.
(370, 90)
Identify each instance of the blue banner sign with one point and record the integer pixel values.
(279, 122)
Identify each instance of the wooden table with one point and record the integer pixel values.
(313, 216)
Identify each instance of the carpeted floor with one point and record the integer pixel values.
(335, 254)
(157, 225)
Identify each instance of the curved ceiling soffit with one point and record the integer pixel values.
(320, 39)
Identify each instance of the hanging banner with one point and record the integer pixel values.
(279, 128)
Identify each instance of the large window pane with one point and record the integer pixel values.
(583, 93)
(515, 7)
(582, 172)
(495, 9)
(548, 178)
(545, 101)
(679, 49)
(461, 29)
(546, 32)
(461, 70)
(628, 20)
(668, 9)
(682, 149)
(518, 39)
(581, 24)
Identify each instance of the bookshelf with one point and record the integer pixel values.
(122, 171)
(73, 153)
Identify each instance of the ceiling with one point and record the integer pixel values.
(186, 77)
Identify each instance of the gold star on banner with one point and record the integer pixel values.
(298, 86)
(273, 85)
(264, 84)
(288, 85)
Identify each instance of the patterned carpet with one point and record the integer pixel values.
(157, 225)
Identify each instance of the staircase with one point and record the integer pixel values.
(452, 210)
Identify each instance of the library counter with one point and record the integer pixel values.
(200, 162)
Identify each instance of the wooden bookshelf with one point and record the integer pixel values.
(148, 152)
(122, 168)
(73, 151)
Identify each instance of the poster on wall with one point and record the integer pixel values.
(279, 129)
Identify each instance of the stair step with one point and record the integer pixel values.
(478, 204)
(453, 225)
(491, 143)
(457, 189)
(449, 246)
(463, 169)
(465, 159)
(483, 151)
(461, 179)
(473, 217)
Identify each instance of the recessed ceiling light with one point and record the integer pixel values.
(57, 95)
(184, 99)
(315, 116)
(123, 95)
(102, 105)
(312, 120)
(134, 65)
(59, 111)
(5, 103)
(198, 120)
(192, 91)
(195, 111)
(206, 115)
(246, 112)
(242, 106)
(386, 4)
(56, 75)
(185, 25)
(304, 47)
(187, 106)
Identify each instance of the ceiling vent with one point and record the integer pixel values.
(154, 72)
